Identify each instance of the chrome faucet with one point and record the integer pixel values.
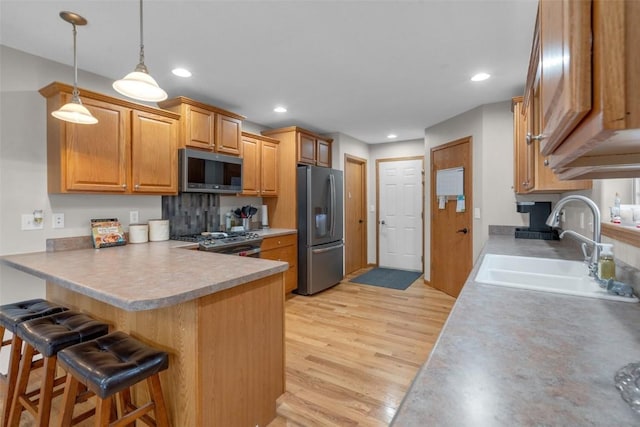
(554, 221)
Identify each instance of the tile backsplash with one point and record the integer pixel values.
(190, 213)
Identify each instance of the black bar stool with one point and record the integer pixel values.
(110, 365)
(11, 315)
(48, 335)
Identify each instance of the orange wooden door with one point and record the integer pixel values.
(355, 214)
(451, 231)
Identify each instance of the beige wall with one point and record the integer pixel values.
(603, 194)
(23, 181)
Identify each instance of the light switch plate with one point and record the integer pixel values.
(476, 213)
(29, 223)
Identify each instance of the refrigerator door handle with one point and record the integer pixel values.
(321, 251)
(333, 205)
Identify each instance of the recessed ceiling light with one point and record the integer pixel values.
(480, 77)
(392, 136)
(181, 72)
(280, 109)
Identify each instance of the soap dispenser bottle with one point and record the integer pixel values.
(606, 264)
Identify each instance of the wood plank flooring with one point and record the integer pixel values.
(352, 352)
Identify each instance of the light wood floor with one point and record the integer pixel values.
(352, 352)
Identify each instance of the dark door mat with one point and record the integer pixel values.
(387, 278)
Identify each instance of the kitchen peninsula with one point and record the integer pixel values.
(220, 318)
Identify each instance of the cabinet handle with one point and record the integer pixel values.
(124, 185)
(546, 162)
(530, 138)
(137, 186)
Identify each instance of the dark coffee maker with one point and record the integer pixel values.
(538, 214)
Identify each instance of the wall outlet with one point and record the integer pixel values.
(57, 220)
(29, 222)
(133, 217)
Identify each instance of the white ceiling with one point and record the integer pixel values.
(363, 68)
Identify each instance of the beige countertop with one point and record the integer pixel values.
(144, 276)
(513, 357)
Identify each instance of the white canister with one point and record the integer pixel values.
(138, 233)
(158, 230)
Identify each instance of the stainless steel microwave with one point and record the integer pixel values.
(205, 172)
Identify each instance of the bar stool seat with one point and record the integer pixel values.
(48, 335)
(11, 315)
(110, 365)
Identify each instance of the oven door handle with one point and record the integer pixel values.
(248, 252)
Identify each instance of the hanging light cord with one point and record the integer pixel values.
(75, 95)
(141, 67)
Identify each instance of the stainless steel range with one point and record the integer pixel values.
(238, 243)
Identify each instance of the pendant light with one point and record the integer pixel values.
(139, 84)
(74, 111)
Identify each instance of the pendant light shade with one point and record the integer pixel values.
(74, 111)
(139, 84)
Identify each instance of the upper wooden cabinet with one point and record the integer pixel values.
(531, 171)
(131, 150)
(260, 165)
(306, 149)
(323, 153)
(565, 68)
(589, 87)
(310, 148)
(297, 145)
(206, 127)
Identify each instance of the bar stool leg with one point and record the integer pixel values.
(124, 397)
(46, 391)
(12, 374)
(69, 400)
(155, 392)
(103, 412)
(21, 386)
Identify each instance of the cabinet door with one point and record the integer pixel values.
(154, 154)
(250, 167)
(199, 128)
(565, 45)
(96, 156)
(522, 150)
(269, 169)
(306, 149)
(228, 135)
(283, 248)
(323, 153)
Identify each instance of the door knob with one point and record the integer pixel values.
(382, 222)
(463, 230)
(360, 221)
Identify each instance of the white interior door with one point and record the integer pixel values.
(400, 214)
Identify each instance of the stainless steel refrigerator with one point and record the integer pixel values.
(320, 245)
